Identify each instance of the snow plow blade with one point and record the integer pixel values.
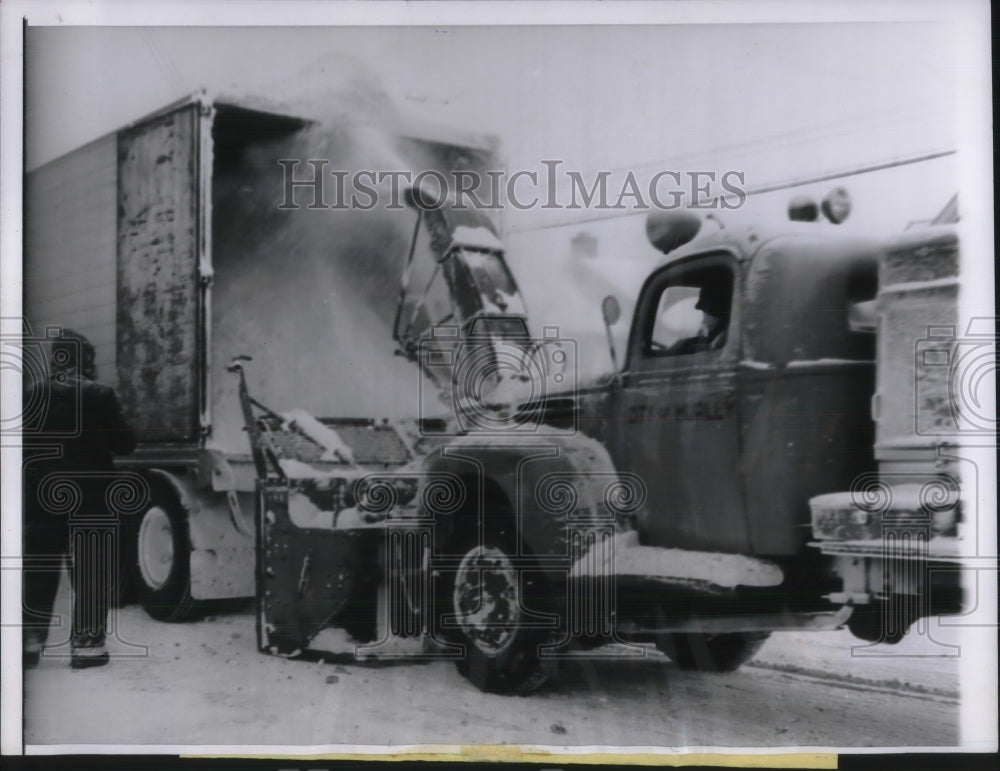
(337, 505)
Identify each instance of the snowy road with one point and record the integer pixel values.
(204, 683)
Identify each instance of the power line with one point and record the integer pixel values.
(769, 188)
(162, 59)
(856, 172)
(903, 113)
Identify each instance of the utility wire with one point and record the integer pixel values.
(162, 59)
(769, 188)
(851, 125)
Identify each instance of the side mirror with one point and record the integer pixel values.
(611, 310)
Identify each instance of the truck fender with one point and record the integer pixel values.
(215, 471)
(160, 479)
(193, 500)
(221, 556)
(552, 482)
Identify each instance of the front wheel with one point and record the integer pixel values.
(712, 652)
(484, 608)
(162, 554)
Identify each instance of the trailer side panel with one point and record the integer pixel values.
(69, 248)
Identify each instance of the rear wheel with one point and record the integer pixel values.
(712, 652)
(485, 605)
(162, 573)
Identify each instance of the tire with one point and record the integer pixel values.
(483, 597)
(162, 557)
(712, 652)
(869, 623)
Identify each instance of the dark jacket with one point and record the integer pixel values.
(81, 421)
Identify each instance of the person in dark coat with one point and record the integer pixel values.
(68, 467)
(714, 303)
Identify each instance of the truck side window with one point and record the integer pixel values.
(692, 315)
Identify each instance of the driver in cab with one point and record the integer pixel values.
(714, 303)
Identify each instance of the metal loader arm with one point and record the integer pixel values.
(259, 446)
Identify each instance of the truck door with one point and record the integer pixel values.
(161, 313)
(679, 406)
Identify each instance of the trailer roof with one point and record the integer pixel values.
(405, 126)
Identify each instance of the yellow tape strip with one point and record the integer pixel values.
(502, 753)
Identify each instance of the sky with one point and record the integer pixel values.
(776, 102)
(597, 97)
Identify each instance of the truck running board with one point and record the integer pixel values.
(833, 619)
(622, 556)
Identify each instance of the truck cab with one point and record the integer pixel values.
(685, 479)
(721, 486)
(746, 388)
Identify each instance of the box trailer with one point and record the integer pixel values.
(212, 229)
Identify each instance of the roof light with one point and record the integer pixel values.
(666, 230)
(836, 205)
(802, 208)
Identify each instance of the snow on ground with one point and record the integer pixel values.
(205, 683)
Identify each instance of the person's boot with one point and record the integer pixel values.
(88, 652)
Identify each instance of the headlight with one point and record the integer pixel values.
(379, 495)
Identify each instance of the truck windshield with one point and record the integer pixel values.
(480, 281)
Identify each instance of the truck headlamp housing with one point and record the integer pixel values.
(380, 496)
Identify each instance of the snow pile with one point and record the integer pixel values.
(336, 450)
(627, 557)
(306, 514)
(293, 468)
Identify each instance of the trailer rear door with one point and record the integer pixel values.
(161, 311)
